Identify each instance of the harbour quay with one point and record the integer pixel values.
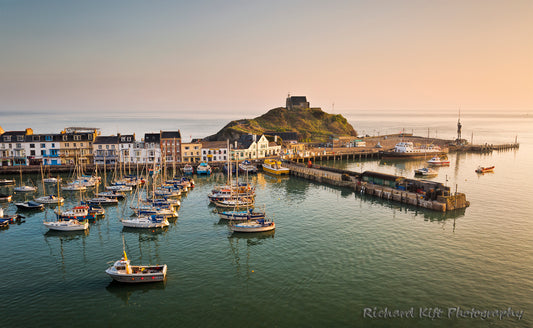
(421, 193)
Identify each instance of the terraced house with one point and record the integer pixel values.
(76, 145)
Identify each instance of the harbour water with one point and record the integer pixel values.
(335, 257)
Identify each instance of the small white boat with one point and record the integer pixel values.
(25, 189)
(102, 201)
(274, 167)
(485, 169)
(188, 169)
(241, 215)
(67, 225)
(439, 161)
(119, 188)
(51, 199)
(31, 205)
(144, 222)
(234, 203)
(5, 182)
(123, 271)
(426, 171)
(52, 180)
(260, 225)
(203, 168)
(74, 187)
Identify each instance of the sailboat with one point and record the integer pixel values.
(260, 225)
(50, 199)
(66, 223)
(24, 188)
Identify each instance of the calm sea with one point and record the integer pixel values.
(334, 259)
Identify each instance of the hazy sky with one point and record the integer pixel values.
(245, 56)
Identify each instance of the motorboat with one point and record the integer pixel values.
(67, 225)
(77, 213)
(123, 271)
(50, 199)
(439, 161)
(30, 205)
(52, 180)
(188, 169)
(426, 171)
(482, 169)
(146, 222)
(260, 225)
(274, 167)
(247, 167)
(203, 168)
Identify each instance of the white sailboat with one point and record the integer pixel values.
(24, 188)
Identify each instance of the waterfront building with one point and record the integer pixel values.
(213, 151)
(76, 145)
(251, 147)
(299, 102)
(126, 148)
(44, 149)
(170, 142)
(191, 152)
(13, 148)
(106, 150)
(152, 148)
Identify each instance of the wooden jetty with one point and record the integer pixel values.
(426, 194)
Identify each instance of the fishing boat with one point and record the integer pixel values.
(203, 168)
(67, 225)
(5, 198)
(439, 161)
(485, 169)
(260, 225)
(274, 167)
(426, 172)
(30, 205)
(123, 271)
(76, 213)
(6, 182)
(146, 222)
(406, 149)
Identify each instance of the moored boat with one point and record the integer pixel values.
(146, 222)
(5, 198)
(426, 171)
(260, 225)
(274, 167)
(76, 213)
(203, 168)
(406, 149)
(25, 189)
(123, 271)
(188, 169)
(245, 215)
(31, 205)
(67, 225)
(50, 199)
(6, 182)
(439, 161)
(482, 169)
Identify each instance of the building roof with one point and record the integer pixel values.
(246, 140)
(106, 140)
(171, 134)
(214, 145)
(126, 138)
(152, 137)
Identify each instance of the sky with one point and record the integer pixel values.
(206, 58)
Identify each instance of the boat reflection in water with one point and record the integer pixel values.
(126, 291)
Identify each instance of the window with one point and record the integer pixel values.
(43, 145)
(106, 146)
(43, 152)
(66, 144)
(77, 137)
(32, 152)
(74, 144)
(65, 138)
(48, 138)
(7, 138)
(20, 138)
(53, 145)
(19, 146)
(81, 144)
(90, 137)
(32, 145)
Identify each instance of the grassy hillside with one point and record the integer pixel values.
(312, 124)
